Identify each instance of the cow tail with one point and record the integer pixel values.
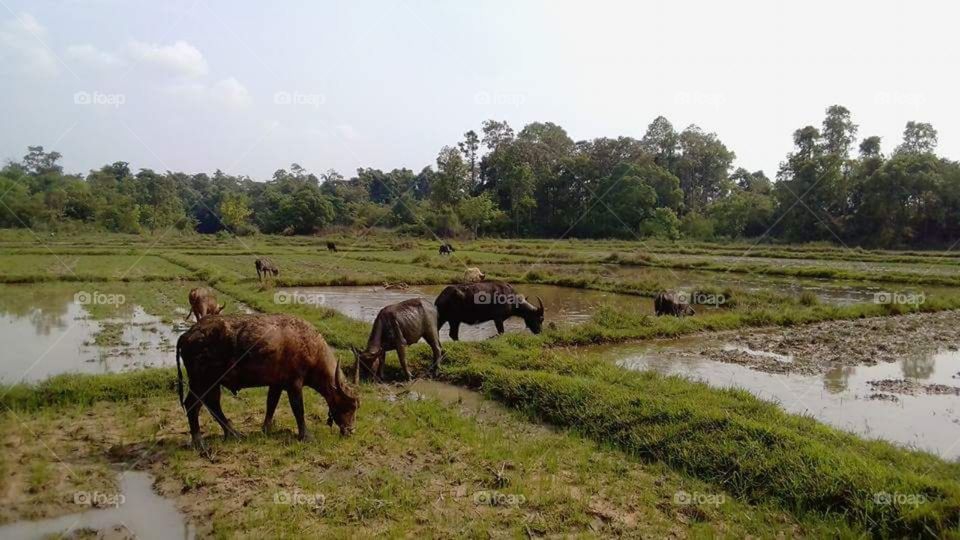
(179, 377)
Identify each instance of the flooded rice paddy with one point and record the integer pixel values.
(136, 512)
(563, 305)
(890, 400)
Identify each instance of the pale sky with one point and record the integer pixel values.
(249, 87)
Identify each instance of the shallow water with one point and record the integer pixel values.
(140, 510)
(563, 305)
(840, 397)
(58, 337)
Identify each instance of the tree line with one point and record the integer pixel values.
(537, 182)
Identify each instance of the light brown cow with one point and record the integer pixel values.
(281, 352)
(473, 275)
(202, 303)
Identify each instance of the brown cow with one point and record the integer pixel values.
(395, 327)
(243, 351)
(672, 304)
(266, 267)
(202, 303)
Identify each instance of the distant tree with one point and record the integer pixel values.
(918, 138)
(235, 212)
(496, 133)
(870, 148)
(38, 162)
(478, 212)
(448, 184)
(469, 147)
(663, 142)
(839, 132)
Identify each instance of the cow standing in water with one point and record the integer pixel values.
(495, 301)
(281, 352)
(202, 303)
(265, 267)
(671, 304)
(395, 327)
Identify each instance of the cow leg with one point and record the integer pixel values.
(499, 324)
(192, 404)
(295, 395)
(402, 356)
(381, 362)
(212, 401)
(455, 330)
(434, 342)
(273, 397)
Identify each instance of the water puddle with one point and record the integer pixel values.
(564, 305)
(52, 338)
(842, 397)
(137, 511)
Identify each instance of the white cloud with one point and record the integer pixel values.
(348, 132)
(90, 55)
(228, 92)
(22, 39)
(180, 58)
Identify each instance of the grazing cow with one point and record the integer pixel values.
(446, 249)
(281, 352)
(395, 327)
(495, 301)
(671, 304)
(265, 267)
(202, 303)
(331, 247)
(473, 275)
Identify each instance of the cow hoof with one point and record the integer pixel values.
(266, 429)
(306, 437)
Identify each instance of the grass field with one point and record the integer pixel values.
(564, 444)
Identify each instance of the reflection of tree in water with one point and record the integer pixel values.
(919, 365)
(45, 307)
(836, 380)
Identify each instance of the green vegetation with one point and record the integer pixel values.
(534, 182)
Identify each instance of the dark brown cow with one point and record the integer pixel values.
(446, 249)
(331, 247)
(202, 303)
(495, 301)
(266, 267)
(395, 327)
(671, 304)
(243, 351)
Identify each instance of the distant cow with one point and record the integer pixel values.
(265, 267)
(202, 303)
(671, 304)
(473, 275)
(395, 327)
(281, 352)
(331, 247)
(446, 249)
(495, 301)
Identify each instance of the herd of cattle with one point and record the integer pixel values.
(286, 353)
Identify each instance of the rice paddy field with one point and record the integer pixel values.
(815, 392)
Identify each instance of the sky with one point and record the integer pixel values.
(251, 87)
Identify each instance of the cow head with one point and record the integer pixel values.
(365, 359)
(532, 316)
(343, 408)
(688, 310)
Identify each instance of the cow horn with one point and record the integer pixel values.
(540, 309)
(336, 376)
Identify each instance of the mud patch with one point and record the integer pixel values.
(913, 388)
